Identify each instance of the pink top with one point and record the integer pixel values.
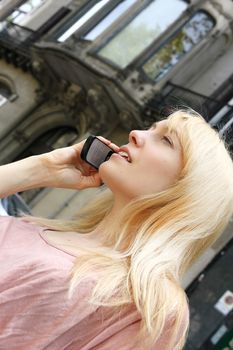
(35, 312)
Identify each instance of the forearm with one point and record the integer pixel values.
(22, 175)
(61, 168)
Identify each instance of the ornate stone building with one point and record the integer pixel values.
(71, 68)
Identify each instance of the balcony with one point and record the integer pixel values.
(176, 96)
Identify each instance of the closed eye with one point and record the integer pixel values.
(168, 140)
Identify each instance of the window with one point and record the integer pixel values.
(3, 100)
(109, 19)
(27, 7)
(147, 26)
(5, 93)
(81, 21)
(168, 56)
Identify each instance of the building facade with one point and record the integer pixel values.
(72, 68)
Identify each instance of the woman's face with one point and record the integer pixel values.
(155, 162)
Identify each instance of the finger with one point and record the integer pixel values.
(109, 143)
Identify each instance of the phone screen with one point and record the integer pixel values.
(98, 153)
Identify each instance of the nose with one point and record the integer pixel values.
(136, 137)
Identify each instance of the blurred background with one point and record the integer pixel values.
(69, 69)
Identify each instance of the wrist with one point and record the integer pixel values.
(38, 170)
(30, 173)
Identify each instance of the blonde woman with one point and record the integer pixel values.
(110, 279)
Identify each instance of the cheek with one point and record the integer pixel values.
(148, 174)
(162, 168)
(156, 164)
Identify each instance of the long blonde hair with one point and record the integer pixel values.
(159, 236)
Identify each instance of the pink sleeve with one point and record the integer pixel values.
(125, 339)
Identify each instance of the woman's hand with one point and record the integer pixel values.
(62, 168)
(66, 169)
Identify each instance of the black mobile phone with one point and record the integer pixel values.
(95, 152)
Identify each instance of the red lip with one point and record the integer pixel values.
(125, 149)
(118, 156)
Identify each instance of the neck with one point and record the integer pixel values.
(100, 232)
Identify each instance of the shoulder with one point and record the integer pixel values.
(15, 229)
(8, 224)
(13, 221)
